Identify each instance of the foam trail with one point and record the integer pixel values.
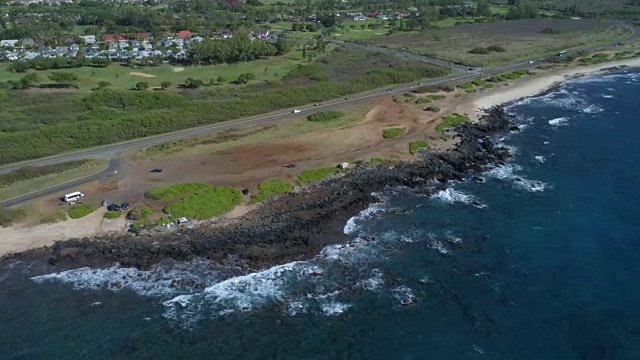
(561, 121)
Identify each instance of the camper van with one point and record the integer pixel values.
(73, 197)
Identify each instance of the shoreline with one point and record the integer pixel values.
(543, 82)
(315, 209)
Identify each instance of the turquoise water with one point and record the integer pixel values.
(546, 268)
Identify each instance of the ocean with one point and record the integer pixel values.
(537, 259)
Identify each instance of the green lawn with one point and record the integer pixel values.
(33, 185)
(313, 175)
(174, 191)
(394, 132)
(271, 187)
(414, 146)
(451, 121)
(120, 77)
(82, 210)
(206, 203)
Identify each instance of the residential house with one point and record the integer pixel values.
(184, 34)
(224, 33)
(9, 43)
(260, 34)
(144, 35)
(88, 39)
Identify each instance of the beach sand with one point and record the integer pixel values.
(532, 86)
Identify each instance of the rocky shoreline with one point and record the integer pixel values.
(294, 226)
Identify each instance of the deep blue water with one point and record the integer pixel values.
(547, 270)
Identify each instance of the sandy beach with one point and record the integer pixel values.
(20, 238)
(542, 82)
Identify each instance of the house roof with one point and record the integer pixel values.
(183, 34)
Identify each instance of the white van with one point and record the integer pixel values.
(343, 165)
(74, 196)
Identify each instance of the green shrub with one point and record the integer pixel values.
(470, 91)
(112, 214)
(9, 216)
(205, 203)
(479, 82)
(521, 72)
(394, 132)
(139, 212)
(436, 97)
(313, 175)
(325, 116)
(414, 146)
(423, 101)
(173, 191)
(451, 121)
(82, 210)
(271, 187)
(600, 56)
(432, 109)
(163, 221)
(479, 50)
(488, 86)
(466, 86)
(496, 48)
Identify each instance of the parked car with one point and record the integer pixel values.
(343, 165)
(124, 206)
(114, 207)
(291, 166)
(157, 170)
(296, 111)
(316, 104)
(245, 192)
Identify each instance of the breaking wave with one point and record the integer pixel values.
(508, 172)
(561, 121)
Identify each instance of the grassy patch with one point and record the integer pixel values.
(139, 212)
(451, 121)
(414, 146)
(383, 161)
(173, 191)
(271, 187)
(466, 86)
(82, 210)
(436, 97)
(29, 173)
(10, 216)
(479, 82)
(313, 175)
(53, 218)
(394, 132)
(206, 203)
(112, 214)
(423, 101)
(325, 116)
(34, 184)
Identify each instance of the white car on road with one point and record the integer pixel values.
(296, 111)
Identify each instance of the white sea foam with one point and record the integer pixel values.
(334, 308)
(375, 282)
(404, 295)
(508, 172)
(540, 159)
(561, 121)
(451, 196)
(608, 96)
(592, 109)
(531, 185)
(352, 224)
(161, 280)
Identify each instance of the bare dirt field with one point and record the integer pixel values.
(148, 76)
(519, 39)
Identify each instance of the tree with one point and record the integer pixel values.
(143, 85)
(304, 51)
(483, 8)
(165, 85)
(283, 46)
(62, 77)
(221, 79)
(245, 78)
(192, 83)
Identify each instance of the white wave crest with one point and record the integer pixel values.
(592, 109)
(404, 295)
(334, 308)
(351, 226)
(540, 159)
(375, 282)
(561, 121)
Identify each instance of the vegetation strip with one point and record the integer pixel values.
(271, 187)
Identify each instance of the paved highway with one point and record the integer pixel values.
(114, 151)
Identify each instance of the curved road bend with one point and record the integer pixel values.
(113, 150)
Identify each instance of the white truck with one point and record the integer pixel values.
(73, 197)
